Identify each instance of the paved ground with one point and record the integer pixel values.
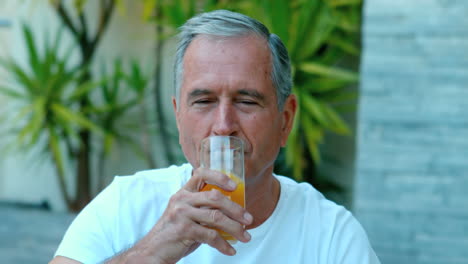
(29, 235)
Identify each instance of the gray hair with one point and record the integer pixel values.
(223, 23)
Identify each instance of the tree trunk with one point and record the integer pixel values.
(88, 46)
(83, 193)
(83, 171)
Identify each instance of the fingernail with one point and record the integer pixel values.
(248, 217)
(247, 235)
(232, 251)
(232, 184)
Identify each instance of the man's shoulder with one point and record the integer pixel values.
(300, 190)
(310, 200)
(329, 224)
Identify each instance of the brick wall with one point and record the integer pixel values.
(411, 190)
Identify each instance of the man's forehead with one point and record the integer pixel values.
(237, 63)
(212, 42)
(209, 48)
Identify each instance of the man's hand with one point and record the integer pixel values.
(186, 222)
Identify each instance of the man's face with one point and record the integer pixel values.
(227, 90)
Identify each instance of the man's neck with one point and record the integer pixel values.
(262, 196)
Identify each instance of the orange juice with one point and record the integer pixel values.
(237, 196)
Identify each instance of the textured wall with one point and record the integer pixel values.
(412, 162)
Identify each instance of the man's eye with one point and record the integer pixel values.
(247, 102)
(203, 101)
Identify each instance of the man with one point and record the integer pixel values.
(232, 78)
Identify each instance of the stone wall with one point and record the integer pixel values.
(411, 190)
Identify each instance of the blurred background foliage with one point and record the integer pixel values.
(75, 112)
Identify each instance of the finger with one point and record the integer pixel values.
(213, 199)
(211, 237)
(216, 200)
(216, 219)
(202, 176)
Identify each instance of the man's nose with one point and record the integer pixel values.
(225, 123)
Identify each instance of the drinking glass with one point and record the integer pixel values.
(225, 154)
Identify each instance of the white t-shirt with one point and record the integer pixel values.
(304, 227)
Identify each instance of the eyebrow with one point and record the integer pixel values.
(247, 92)
(252, 93)
(198, 92)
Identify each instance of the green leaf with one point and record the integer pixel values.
(279, 17)
(105, 87)
(57, 155)
(109, 141)
(340, 3)
(23, 79)
(30, 132)
(190, 7)
(341, 97)
(83, 90)
(314, 108)
(122, 108)
(175, 14)
(336, 123)
(56, 44)
(344, 44)
(99, 110)
(148, 8)
(79, 5)
(324, 115)
(68, 129)
(32, 51)
(210, 5)
(329, 71)
(301, 21)
(136, 80)
(116, 78)
(345, 21)
(346, 108)
(314, 132)
(25, 110)
(314, 136)
(12, 93)
(315, 33)
(68, 114)
(325, 85)
(38, 119)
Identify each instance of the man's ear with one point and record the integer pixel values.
(174, 104)
(176, 112)
(289, 111)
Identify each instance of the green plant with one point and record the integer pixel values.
(320, 35)
(49, 95)
(121, 94)
(50, 92)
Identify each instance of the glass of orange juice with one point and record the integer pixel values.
(225, 154)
